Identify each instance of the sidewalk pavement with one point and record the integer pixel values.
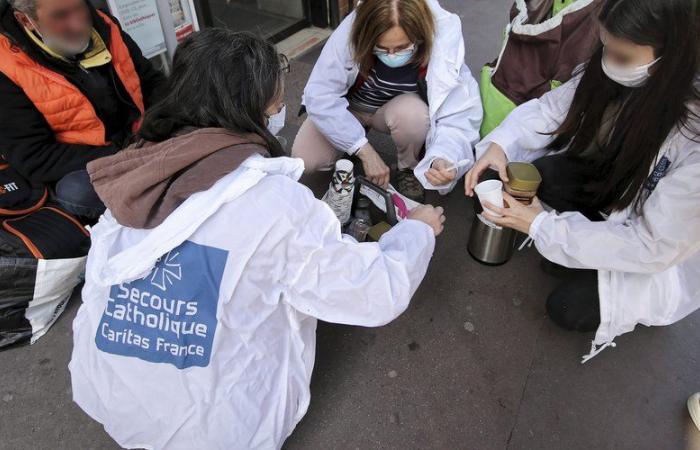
(473, 364)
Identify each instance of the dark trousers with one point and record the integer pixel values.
(74, 192)
(575, 303)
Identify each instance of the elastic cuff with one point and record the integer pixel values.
(358, 145)
(445, 188)
(535, 226)
(408, 223)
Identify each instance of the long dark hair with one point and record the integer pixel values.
(221, 79)
(648, 113)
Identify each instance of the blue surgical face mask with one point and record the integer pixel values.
(397, 59)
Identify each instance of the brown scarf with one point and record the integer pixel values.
(143, 184)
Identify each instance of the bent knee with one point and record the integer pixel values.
(572, 315)
(76, 188)
(408, 114)
(314, 149)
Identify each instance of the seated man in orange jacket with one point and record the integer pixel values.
(73, 88)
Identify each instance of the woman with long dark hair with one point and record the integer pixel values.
(618, 148)
(210, 267)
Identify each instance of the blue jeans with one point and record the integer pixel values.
(74, 192)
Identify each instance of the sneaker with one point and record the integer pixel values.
(408, 185)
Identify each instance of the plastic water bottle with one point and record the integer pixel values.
(340, 192)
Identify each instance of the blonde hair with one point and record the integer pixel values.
(376, 17)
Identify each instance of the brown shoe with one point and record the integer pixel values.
(408, 185)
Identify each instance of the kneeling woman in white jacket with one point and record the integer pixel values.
(618, 148)
(212, 264)
(396, 66)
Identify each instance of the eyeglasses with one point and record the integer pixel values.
(404, 51)
(284, 64)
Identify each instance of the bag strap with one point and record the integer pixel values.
(35, 247)
(23, 212)
(25, 239)
(4, 165)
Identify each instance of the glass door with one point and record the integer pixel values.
(272, 19)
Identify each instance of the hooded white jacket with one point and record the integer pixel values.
(200, 333)
(648, 264)
(453, 96)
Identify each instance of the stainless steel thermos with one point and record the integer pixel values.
(494, 245)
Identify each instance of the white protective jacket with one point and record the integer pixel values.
(648, 264)
(200, 333)
(453, 96)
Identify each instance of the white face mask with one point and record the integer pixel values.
(275, 123)
(629, 77)
(60, 46)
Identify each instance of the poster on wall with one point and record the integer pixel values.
(140, 19)
(184, 20)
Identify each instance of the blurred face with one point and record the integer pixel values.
(624, 53)
(64, 25)
(393, 41)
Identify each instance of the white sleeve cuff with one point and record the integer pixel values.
(535, 226)
(427, 163)
(357, 146)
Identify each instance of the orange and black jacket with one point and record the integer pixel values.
(99, 108)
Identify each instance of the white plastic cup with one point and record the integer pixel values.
(490, 191)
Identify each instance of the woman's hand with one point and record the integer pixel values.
(494, 158)
(437, 175)
(431, 216)
(517, 216)
(375, 169)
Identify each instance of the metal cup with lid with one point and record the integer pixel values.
(493, 245)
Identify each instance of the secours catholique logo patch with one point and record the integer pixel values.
(169, 316)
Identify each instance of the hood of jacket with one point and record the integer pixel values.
(146, 246)
(143, 184)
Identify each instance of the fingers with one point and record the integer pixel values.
(440, 177)
(469, 181)
(500, 211)
(467, 184)
(380, 177)
(438, 164)
(431, 216)
(501, 221)
(512, 203)
(503, 173)
(386, 174)
(385, 179)
(472, 178)
(432, 179)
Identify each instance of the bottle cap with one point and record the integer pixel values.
(523, 177)
(344, 165)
